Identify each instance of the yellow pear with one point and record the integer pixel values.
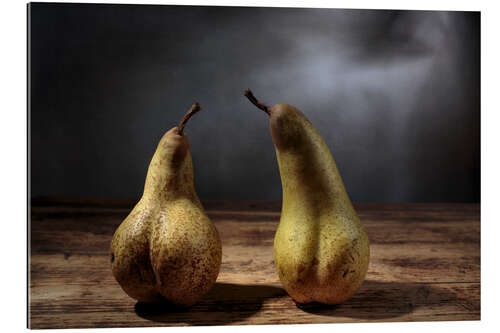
(321, 249)
(167, 248)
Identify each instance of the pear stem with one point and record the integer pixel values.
(248, 93)
(192, 110)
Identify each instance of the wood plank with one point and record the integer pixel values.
(425, 265)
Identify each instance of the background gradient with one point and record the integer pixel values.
(395, 95)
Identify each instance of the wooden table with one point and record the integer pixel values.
(425, 266)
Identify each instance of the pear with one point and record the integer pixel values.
(321, 249)
(167, 248)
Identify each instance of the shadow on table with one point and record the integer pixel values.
(227, 303)
(384, 300)
(224, 304)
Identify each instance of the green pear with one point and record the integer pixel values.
(167, 248)
(321, 249)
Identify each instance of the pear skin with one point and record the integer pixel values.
(167, 248)
(321, 248)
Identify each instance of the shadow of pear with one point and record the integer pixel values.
(224, 303)
(385, 300)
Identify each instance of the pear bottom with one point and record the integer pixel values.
(326, 267)
(170, 255)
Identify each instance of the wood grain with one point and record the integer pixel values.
(425, 266)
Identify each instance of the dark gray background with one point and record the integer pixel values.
(395, 95)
